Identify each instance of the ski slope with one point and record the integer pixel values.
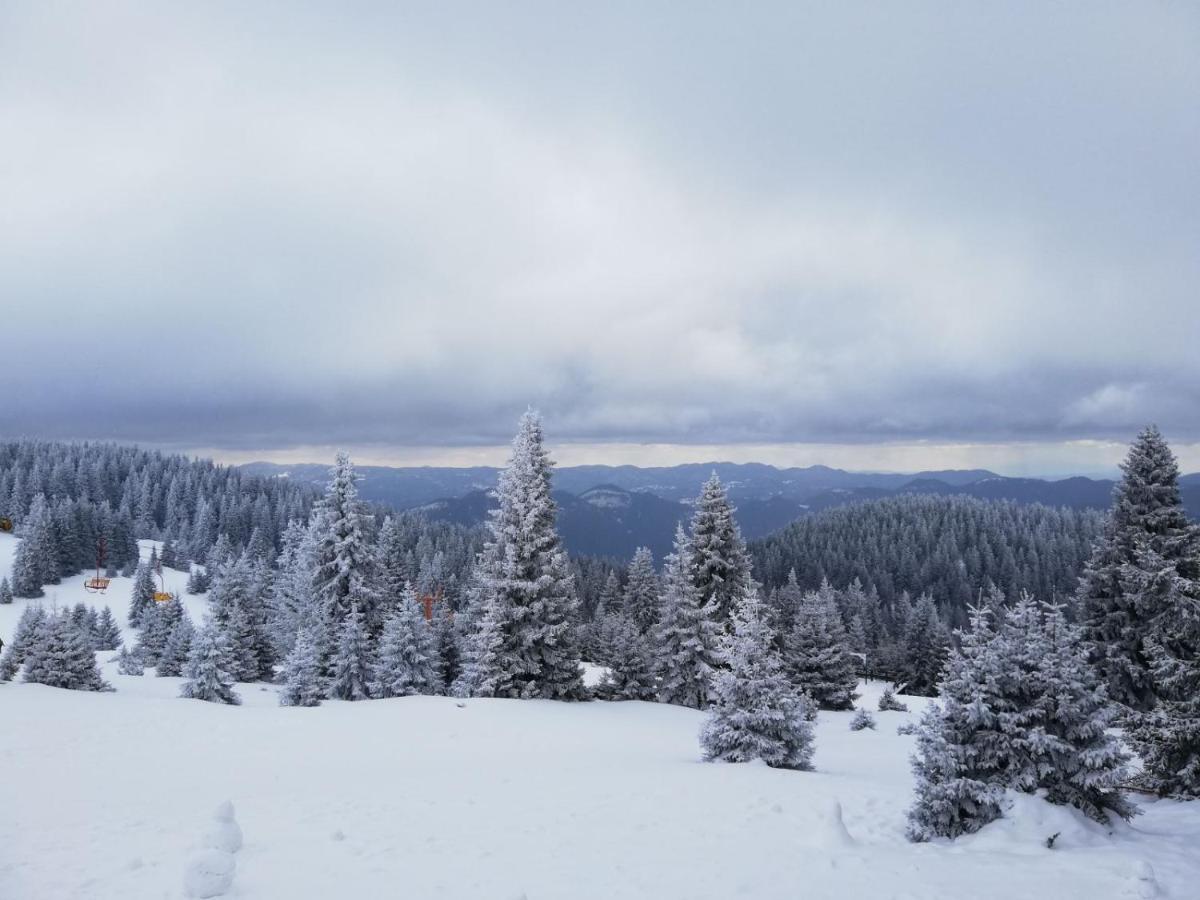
(107, 795)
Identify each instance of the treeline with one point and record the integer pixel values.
(949, 547)
(64, 498)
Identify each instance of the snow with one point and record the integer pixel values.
(431, 797)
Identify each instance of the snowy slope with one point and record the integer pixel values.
(437, 798)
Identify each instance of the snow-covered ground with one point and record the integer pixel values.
(107, 795)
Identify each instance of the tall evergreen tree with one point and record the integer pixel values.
(1125, 587)
(142, 599)
(178, 648)
(630, 674)
(528, 590)
(6, 593)
(923, 650)
(756, 714)
(108, 633)
(719, 563)
(345, 573)
(33, 618)
(818, 660)
(685, 639)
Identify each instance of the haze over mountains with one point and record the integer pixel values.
(612, 510)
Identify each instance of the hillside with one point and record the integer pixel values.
(612, 510)
(499, 798)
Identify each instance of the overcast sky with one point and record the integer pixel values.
(894, 236)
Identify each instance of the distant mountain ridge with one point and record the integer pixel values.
(612, 510)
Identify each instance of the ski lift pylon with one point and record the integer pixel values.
(98, 584)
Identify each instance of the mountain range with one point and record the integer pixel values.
(612, 510)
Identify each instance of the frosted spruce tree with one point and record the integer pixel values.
(719, 563)
(1167, 737)
(108, 632)
(406, 663)
(446, 644)
(642, 591)
(33, 618)
(756, 714)
(295, 603)
(685, 638)
(60, 655)
(611, 599)
(302, 681)
(177, 648)
(963, 753)
(351, 666)
(1125, 588)
(345, 572)
(630, 673)
(6, 592)
(923, 651)
(208, 670)
(1077, 761)
(527, 589)
(818, 659)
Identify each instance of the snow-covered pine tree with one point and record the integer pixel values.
(198, 581)
(1167, 738)
(142, 599)
(302, 682)
(60, 655)
(685, 638)
(642, 591)
(1147, 527)
(756, 713)
(26, 575)
(406, 662)
(108, 632)
(6, 592)
(630, 673)
(719, 564)
(527, 585)
(294, 603)
(351, 668)
(208, 667)
(345, 572)
(33, 618)
(962, 755)
(177, 648)
(1079, 763)
(924, 650)
(817, 656)
(889, 703)
(611, 599)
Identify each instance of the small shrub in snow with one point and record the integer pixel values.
(908, 728)
(756, 714)
(129, 664)
(861, 720)
(889, 703)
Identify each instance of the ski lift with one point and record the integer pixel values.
(162, 595)
(6, 524)
(98, 584)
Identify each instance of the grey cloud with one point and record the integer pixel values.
(267, 225)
